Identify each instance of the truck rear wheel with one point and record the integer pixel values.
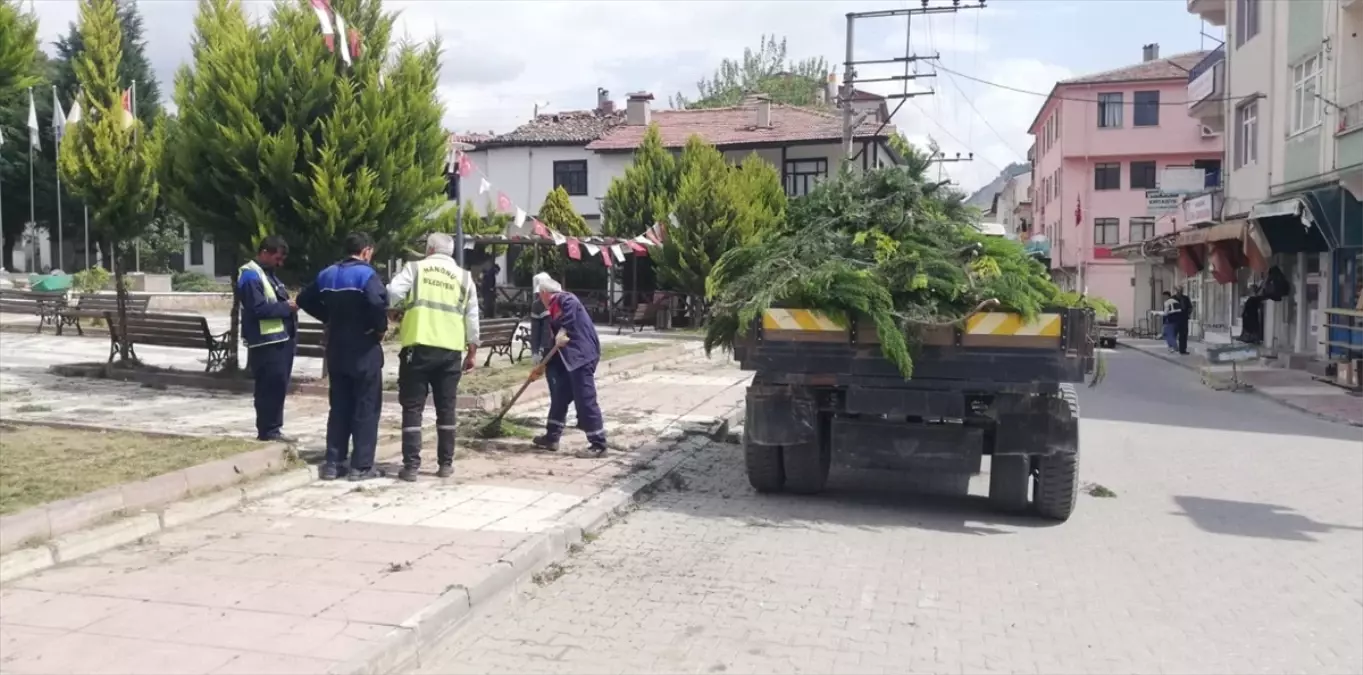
(807, 464)
(1010, 477)
(1057, 475)
(766, 472)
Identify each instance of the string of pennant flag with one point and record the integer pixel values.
(609, 249)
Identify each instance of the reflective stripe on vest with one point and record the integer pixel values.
(434, 315)
(271, 330)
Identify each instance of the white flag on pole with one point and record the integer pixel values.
(58, 117)
(73, 117)
(33, 140)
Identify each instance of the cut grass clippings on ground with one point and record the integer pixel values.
(43, 464)
(1099, 491)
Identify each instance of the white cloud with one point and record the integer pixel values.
(503, 56)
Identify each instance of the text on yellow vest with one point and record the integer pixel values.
(435, 307)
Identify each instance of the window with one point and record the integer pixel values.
(1143, 176)
(196, 248)
(1247, 134)
(571, 175)
(1246, 20)
(802, 174)
(1142, 228)
(1106, 232)
(1109, 111)
(1145, 109)
(1107, 176)
(1211, 169)
(1305, 95)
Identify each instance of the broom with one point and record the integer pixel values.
(493, 429)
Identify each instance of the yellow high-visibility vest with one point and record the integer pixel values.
(434, 314)
(271, 330)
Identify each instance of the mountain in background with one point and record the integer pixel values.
(984, 196)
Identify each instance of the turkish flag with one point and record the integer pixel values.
(465, 166)
(652, 236)
(606, 255)
(637, 248)
(504, 203)
(574, 250)
(1078, 212)
(540, 229)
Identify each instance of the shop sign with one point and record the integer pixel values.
(1199, 210)
(1159, 202)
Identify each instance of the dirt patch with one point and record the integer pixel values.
(488, 380)
(44, 464)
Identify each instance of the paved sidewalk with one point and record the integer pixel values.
(1292, 388)
(320, 576)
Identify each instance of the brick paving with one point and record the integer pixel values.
(305, 580)
(1233, 545)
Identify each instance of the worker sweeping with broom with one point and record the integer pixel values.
(571, 368)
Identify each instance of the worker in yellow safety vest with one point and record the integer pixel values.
(439, 333)
(269, 326)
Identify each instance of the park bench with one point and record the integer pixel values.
(93, 306)
(46, 305)
(497, 336)
(168, 330)
(312, 341)
(644, 315)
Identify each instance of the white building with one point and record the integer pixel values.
(1287, 90)
(1014, 206)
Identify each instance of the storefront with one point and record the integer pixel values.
(1220, 262)
(1344, 318)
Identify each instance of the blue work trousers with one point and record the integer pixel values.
(576, 387)
(356, 395)
(1171, 335)
(272, 368)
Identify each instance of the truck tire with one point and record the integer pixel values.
(806, 464)
(1010, 478)
(766, 473)
(1057, 475)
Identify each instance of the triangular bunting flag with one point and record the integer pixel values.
(356, 45)
(504, 203)
(637, 248)
(484, 187)
(520, 218)
(574, 250)
(559, 239)
(127, 108)
(652, 236)
(593, 249)
(606, 256)
(321, 9)
(465, 166)
(619, 252)
(540, 229)
(345, 48)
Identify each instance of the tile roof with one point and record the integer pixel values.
(1172, 68)
(576, 127)
(737, 125)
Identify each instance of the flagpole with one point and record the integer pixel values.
(87, 237)
(58, 117)
(132, 104)
(32, 203)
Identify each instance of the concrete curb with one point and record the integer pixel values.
(81, 543)
(627, 366)
(404, 647)
(1248, 389)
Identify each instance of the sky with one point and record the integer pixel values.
(503, 57)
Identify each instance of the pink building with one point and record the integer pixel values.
(1102, 144)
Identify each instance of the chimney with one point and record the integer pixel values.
(763, 104)
(831, 89)
(1150, 52)
(637, 113)
(604, 104)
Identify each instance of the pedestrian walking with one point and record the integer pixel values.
(1170, 325)
(350, 299)
(439, 333)
(1185, 314)
(269, 326)
(571, 374)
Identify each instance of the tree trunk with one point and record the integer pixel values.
(234, 330)
(121, 291)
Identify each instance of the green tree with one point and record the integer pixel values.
(22, 66)
(643, 196)
(764, 71)
(18, 50)
(110, 164)
(763, 203)
(557, 214)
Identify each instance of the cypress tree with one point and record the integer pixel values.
(21, 66)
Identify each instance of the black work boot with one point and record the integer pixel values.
(329, 472)
(445, 471)
(356, 475)
(408, 473)
(594, 450)
(545, 442)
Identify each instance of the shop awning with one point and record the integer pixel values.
(1307, 222)
(1232, 230)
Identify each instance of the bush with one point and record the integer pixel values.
(194, 282)
(91, 280)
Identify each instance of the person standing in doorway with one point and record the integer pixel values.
(269, 326)
(1185, 314)
(1170, 312)
(350, 300)
(439, 333)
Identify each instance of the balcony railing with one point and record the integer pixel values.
(1206, 79)
(1207, 63)
(1350, 117)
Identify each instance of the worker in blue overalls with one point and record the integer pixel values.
(352, 301)
(269, 326)
(573, 367)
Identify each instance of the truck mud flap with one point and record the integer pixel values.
(879, 444)
(780, 415)
(1030, 425)
(905, 402)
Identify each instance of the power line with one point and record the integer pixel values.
(1029, 92)
(984, 119)
(952, 136)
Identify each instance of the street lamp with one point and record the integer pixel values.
(456, 148)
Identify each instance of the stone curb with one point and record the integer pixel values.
(1249, 389)
(85, 542)
(66, 516)
(626, 366)
(403, 648)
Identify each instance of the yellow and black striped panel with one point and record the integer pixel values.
(1005, 329)
(804, 325)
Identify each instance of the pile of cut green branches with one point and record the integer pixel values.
(885, 244)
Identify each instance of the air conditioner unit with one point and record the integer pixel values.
(1208, 132)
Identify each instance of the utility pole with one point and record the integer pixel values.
(850, 118)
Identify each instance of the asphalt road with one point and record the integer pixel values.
(1234, 544)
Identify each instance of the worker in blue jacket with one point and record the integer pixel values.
(269, 326)
(351, 300)
(573, 368)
